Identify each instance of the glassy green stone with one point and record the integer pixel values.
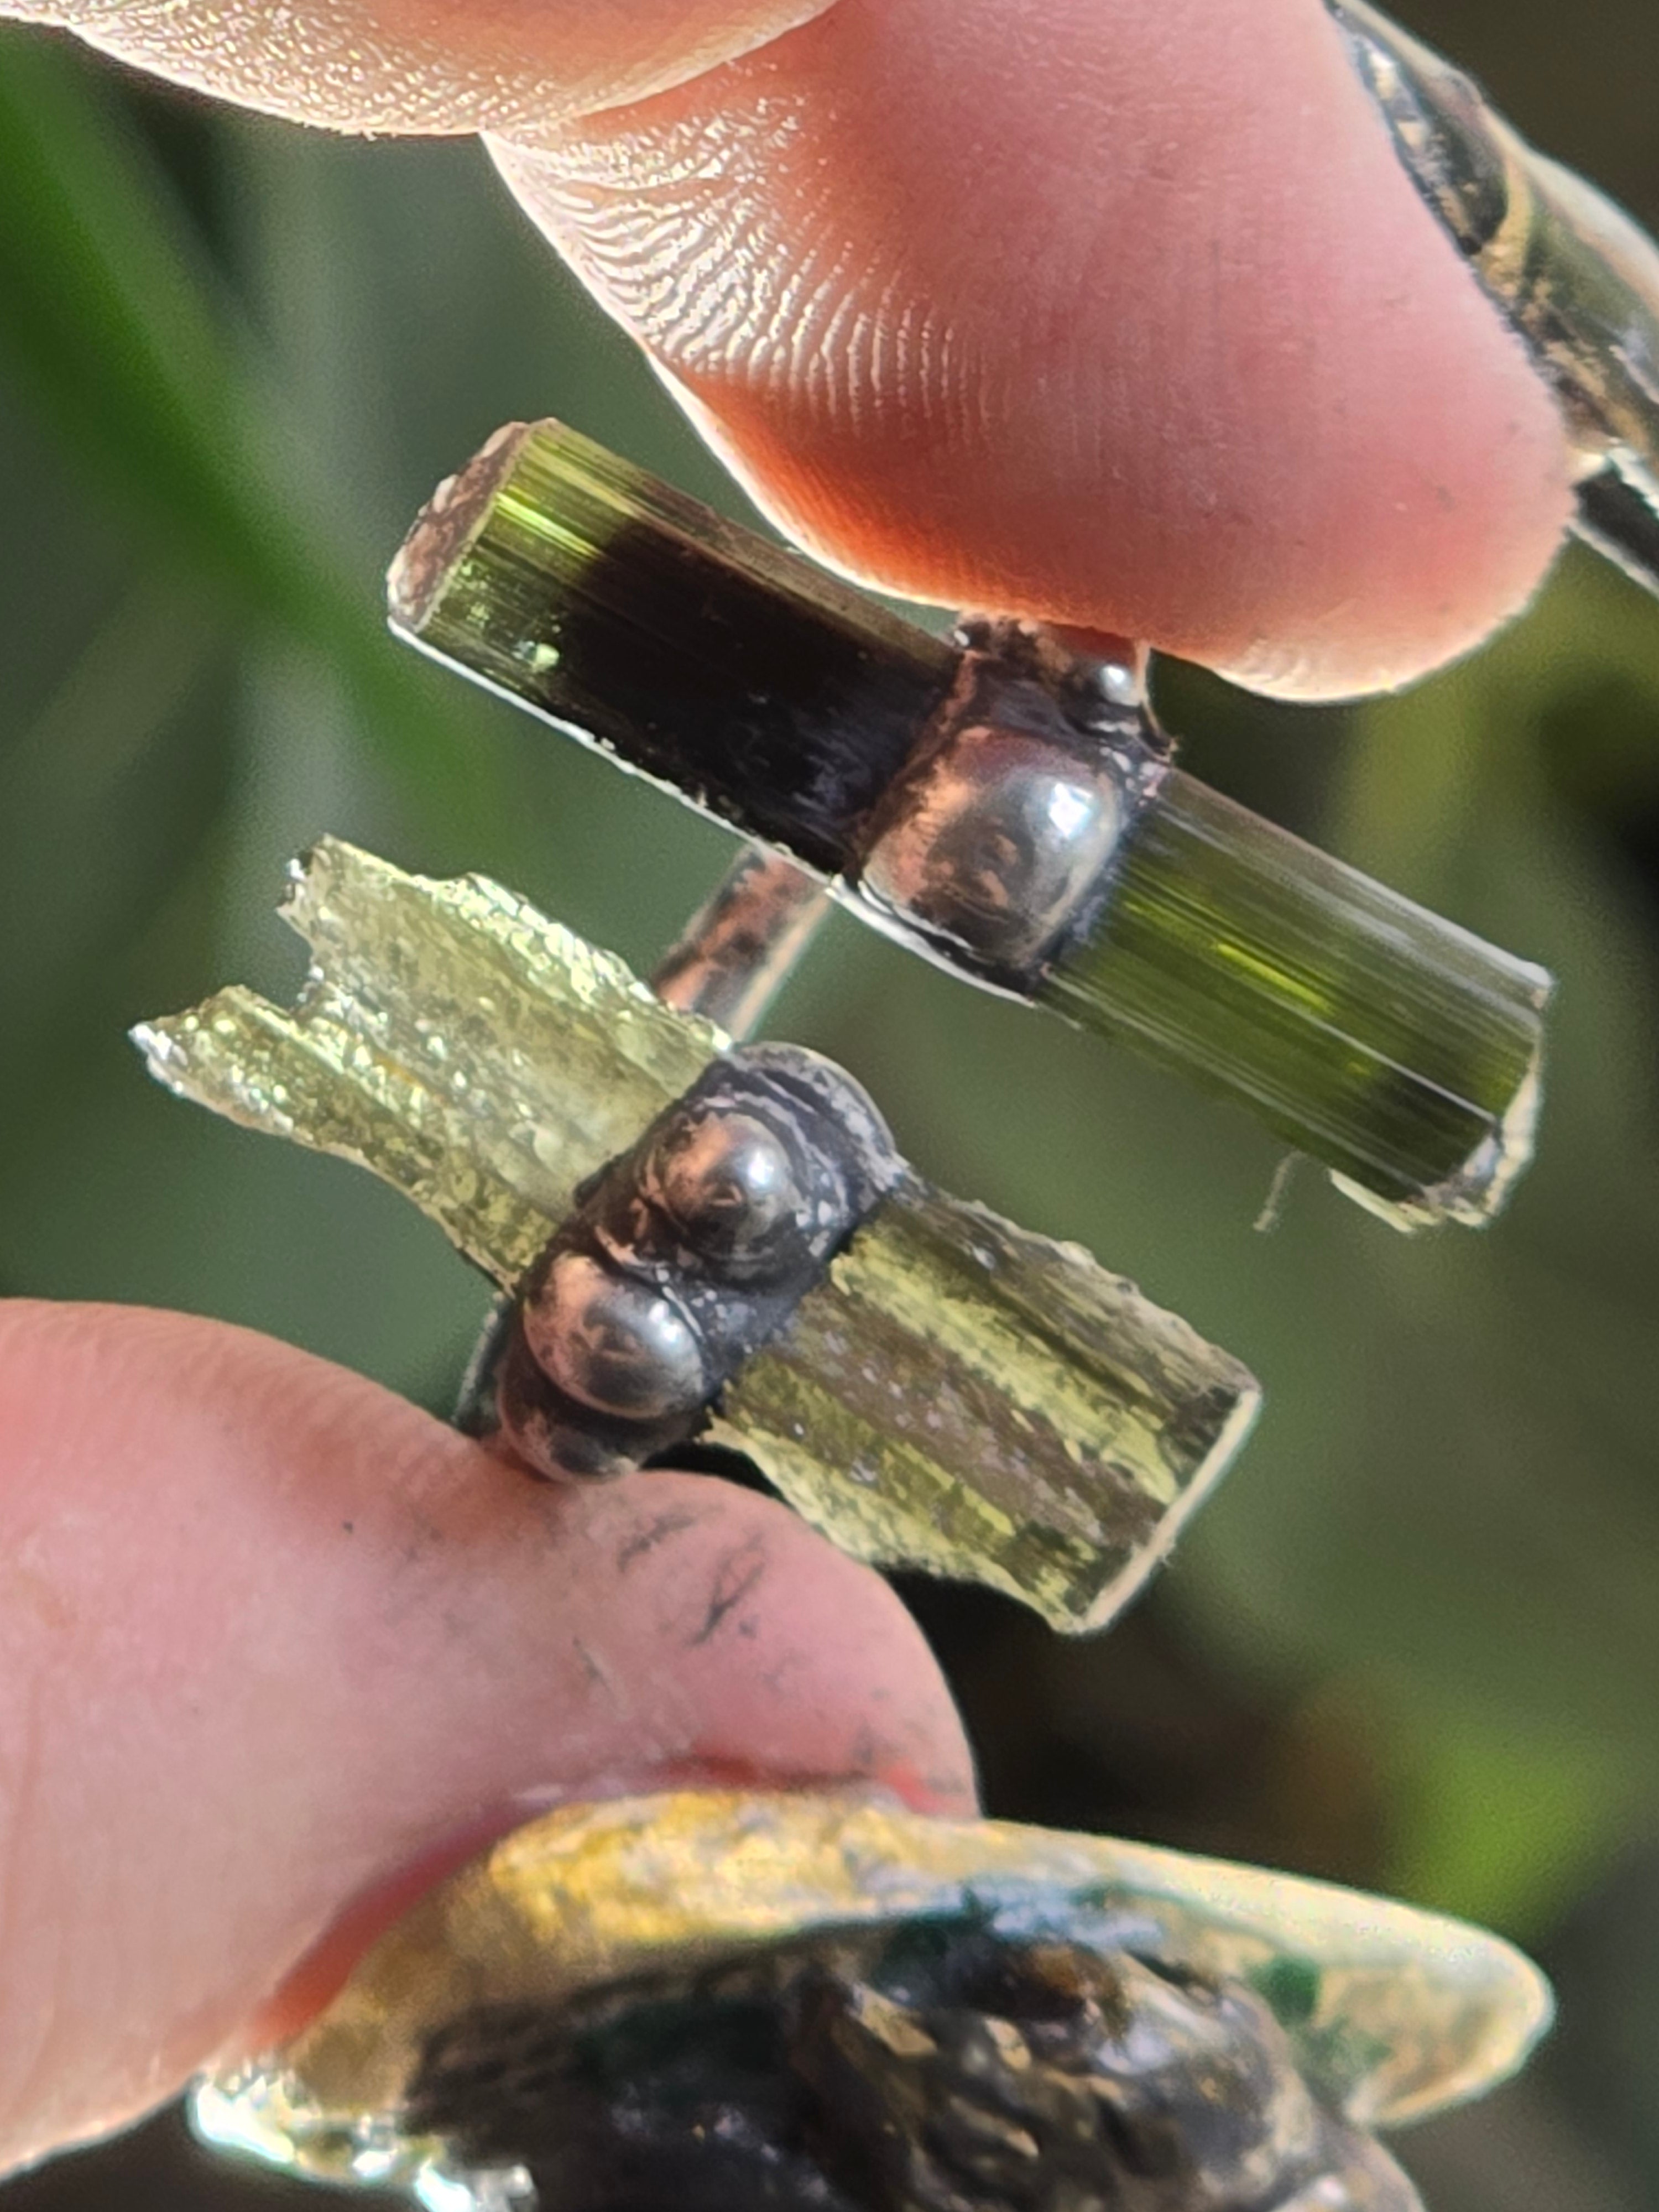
(946, 1340)
(481, 1059)
(956, 1395)
(1398, 1049)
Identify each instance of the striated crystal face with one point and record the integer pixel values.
(978, 805)
(479, 1058)
(1400, 1051)
(966, 1397)
(694, 1999)
(958, 1395)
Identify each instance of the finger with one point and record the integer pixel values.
(270, 1639)
(423, 65)
(1123, 315)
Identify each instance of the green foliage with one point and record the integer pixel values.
(118, 333)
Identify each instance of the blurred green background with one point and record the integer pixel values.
(1416, 1641)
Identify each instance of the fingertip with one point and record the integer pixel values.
(422, 66)
(272, 1637)
(1130, 319)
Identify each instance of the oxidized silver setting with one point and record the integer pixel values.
(685, 1256)
(994, 847)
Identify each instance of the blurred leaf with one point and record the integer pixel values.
(109, 312)
(1500, 1824)
(105, 798)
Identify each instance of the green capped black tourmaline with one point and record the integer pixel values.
(697, 653)
(1393, 1047)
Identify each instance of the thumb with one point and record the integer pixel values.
(275, 1648)
(1122, 313)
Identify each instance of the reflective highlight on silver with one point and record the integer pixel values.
(995, 845)
(685, 1256)
(1577, 279)
(613, 1344)
(736, 951)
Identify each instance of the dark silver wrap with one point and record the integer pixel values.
(685, 1256)
(995, 845)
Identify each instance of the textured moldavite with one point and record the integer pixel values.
(1397, 1049)
(720, 2002)
(955, 1395)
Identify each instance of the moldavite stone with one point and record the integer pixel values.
(957, 1395)
(720, 2000)
(481, 1059)
(1395, 1048)
(960, 1391)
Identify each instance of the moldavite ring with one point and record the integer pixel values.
(725, 1245)
(729, 2002)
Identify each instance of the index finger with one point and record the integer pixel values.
(1122, 315)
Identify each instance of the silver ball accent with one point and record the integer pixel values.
(731, 1189)
(997, 844)
(614, 1344)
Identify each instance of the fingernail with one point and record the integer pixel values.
(1574, 279)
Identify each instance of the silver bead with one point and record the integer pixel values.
(729, 1187)
(614, 1344)
(996, 844)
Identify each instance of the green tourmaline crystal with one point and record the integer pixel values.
(957, 1394)
(1395, 1048)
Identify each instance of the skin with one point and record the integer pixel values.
(200, 1773)
(1122, 313)
(1119, 312)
